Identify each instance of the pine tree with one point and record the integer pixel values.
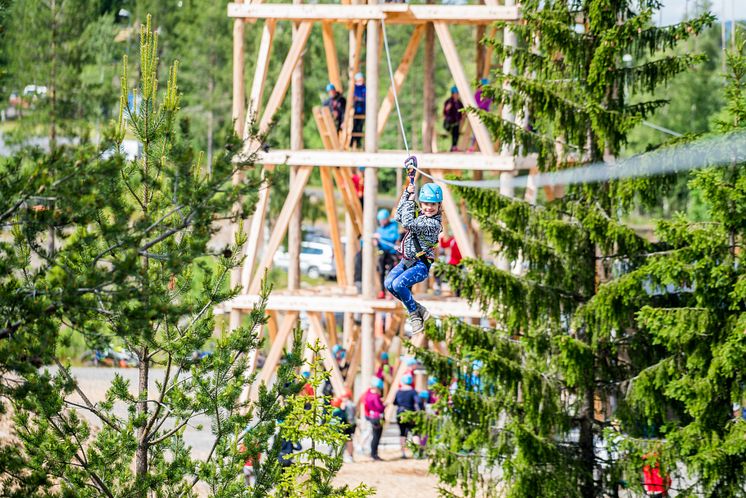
(687, 301)
(531, 397)
(132, 237)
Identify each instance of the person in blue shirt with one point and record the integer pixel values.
(358, 120)
(386, 236)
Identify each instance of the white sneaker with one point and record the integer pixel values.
(415, 321)
(348, 458)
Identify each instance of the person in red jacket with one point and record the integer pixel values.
(656, 484)
(448, 242)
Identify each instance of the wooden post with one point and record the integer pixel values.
(506, 179)
(275, 352)
(239, 91)
(256, 233)
(296, 143)
(428, 101)
(367, 360)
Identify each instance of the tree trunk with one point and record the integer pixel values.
(141, 455)
(53, 80)
(587, 456)
(428, 112)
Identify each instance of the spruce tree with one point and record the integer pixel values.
(530, 398)
(687, 303)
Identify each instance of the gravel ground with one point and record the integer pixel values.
(392, 478)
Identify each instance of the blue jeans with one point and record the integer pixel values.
(400, 280)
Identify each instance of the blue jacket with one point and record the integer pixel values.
(388, 236)
(359, 99)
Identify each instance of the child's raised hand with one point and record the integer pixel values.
(410, 188)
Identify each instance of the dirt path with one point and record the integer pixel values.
(392, 478)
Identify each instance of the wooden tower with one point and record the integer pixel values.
(337, 162)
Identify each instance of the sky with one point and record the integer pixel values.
(673, 10)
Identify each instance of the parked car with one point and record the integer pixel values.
(316, 260)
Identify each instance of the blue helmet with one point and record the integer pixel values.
(384, 356)
(484, 81)
(431, 192)
(424, 395)
(383, 214)
(330, 87)
(454, 89)
(411, 362)
(407, 380)
(306, 374)
(377, 383)
(359, 76)
(431, 381)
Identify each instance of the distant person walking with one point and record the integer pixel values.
(373, 409)
(452, 117)
(406, 401)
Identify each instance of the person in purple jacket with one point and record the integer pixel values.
(373, 411)
(452, 117)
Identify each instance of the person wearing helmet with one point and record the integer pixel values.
(386, 236)
(406, 400)
(348, 406)
(483, 102)
(373, 406)
(336, 104)
(416, 247)
(358, 119)
(384, 368)
(452, 117)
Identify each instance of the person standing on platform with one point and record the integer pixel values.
(484, 103)
(336, 104)
(358, 120)
(452, 117)
(386, 236)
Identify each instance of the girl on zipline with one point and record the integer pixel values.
(416, 247)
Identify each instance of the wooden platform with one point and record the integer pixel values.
(392, 13)
(395, 159)
(351, 304)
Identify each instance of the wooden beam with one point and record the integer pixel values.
(330, 49)
(260, 75)
(293, 198)
(272, 325)
(464, 89)
(352, 304)
(395, 159)
(275, 352)
(399, 76)
(256, 232)
(349, 197)
(391, 12)
(331, 325)
(316, 331)
(455, 222)
(283, 79)
(331, 217)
